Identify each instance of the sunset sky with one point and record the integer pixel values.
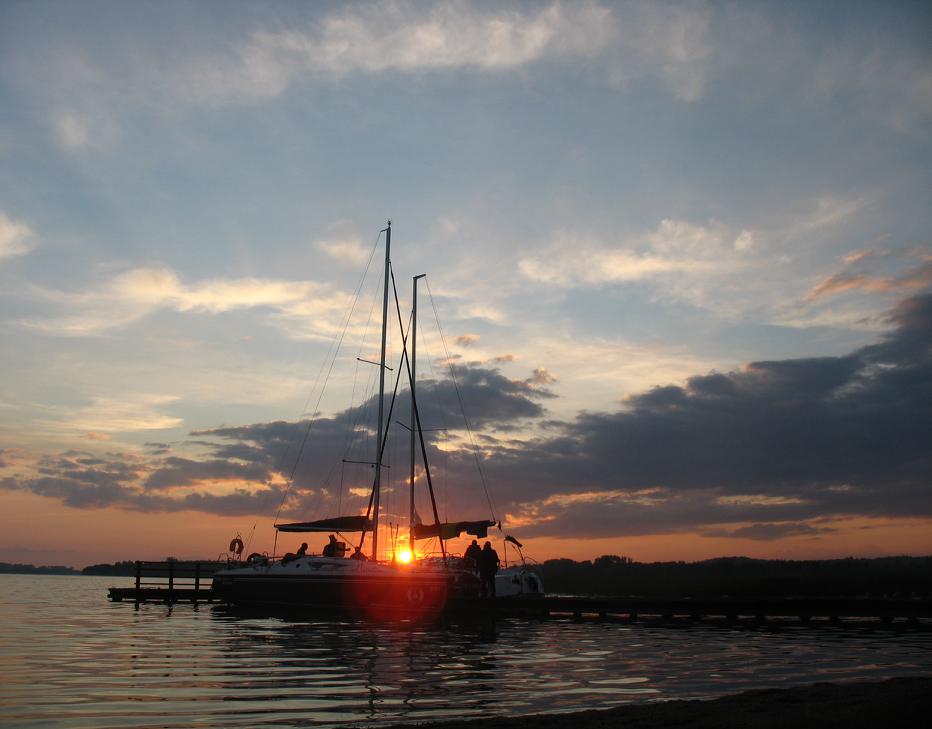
(680, 253)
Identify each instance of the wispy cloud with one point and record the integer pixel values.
(106, 415)
(138, 292)
(731, 270)
(770, 531)
(857, 277)
(16, 238)
(667, 42)
(675, 247)
(348, 251)
(73, 132)
(397, 36)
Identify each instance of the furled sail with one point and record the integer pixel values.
(452, 530)
(336, 524)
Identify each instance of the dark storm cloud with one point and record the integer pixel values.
(124, 480)
(490, 398)
(819, 436)
(252, 456)
(768, 449)
(177, 472)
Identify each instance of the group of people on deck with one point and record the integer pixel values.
(485, 562)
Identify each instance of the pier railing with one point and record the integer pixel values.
(170, 581)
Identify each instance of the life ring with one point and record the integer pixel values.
(415, 595)
(236, 546)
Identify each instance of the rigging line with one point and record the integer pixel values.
(320, 395)
(358, 290)
(404, 358)
(362, 413)
(459, 396)
(342, 473)
(378, 461)
(442, 480)
(417, 426)
(332, 341)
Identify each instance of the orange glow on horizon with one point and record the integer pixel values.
(40, 531)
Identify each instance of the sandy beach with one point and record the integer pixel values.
(896, 702)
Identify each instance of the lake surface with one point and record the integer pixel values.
(69, 657)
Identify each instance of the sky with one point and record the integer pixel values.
(679, 254)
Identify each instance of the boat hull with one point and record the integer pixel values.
(342, 587)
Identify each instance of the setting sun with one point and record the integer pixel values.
(405, 556)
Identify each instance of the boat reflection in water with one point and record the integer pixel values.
(353, 670)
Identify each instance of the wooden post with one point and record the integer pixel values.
(138, 574)
(197, 579)
(171, 579)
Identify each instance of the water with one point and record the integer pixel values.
(69, 657)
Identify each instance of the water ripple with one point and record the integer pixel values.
(70, 658)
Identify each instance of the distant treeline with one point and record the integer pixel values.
(7, 568)
(740, 576)
(118, 569)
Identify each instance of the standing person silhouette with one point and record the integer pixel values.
(472, 555)
(488, 566)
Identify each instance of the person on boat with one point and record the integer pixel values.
(357, 554)
(330, 549)
(472, 555)
(302, 550)
(488, 566)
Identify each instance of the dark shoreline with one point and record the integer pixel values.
(891, 703)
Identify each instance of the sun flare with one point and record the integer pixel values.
(405, 556)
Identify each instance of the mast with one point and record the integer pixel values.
(378, 466)
(413, 405)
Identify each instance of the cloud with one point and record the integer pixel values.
(670, 43)
(400, 37)
(348, 251)
(16, 238)
(772, 449)
(136, 293)
(856, 277)
(769, 532)
(109, 415)
(174, 472)
(465, 340)
(83, 480)
(795, 439)
(675, 248)
(542, 377)
(243, 469)
(72, 130)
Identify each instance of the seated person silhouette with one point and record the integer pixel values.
(330, 549)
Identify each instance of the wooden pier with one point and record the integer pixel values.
(171, 581)
(804, 609)
(177, 581)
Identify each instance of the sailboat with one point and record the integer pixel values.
(359, 584)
